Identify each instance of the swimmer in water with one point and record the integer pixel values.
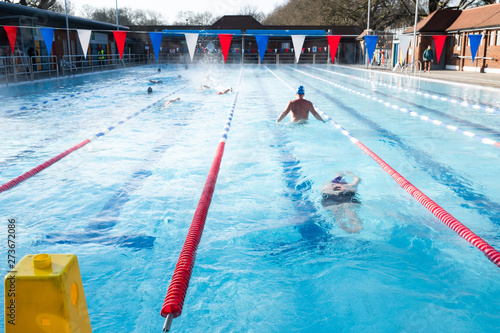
(339, 197)
(300, 109)
(156, 82)
(150, 90)
(205, 87)
(171, 101)
(225, 91)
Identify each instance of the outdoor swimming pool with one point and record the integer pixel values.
(271, 258)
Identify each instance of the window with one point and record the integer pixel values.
(492, 37)
(498, 37)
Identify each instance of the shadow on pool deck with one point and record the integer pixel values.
(491, 80)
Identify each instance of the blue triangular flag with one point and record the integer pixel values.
(156, 40)
(371, 43)
(474, 41)
(48, 37)
(261, 44)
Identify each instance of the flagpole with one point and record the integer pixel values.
(117, 27)
(367, 32)
(415, 34)
(67, 32)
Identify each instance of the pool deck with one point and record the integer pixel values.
(491, 80)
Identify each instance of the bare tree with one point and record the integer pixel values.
(383, 13)
(192, 18)
(252, 11)
(126, 16)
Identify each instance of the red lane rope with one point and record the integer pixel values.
(39, 168)
(435, 209)
(445, 217)
(174, 300)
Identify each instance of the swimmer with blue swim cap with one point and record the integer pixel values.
(300, 109)
(340, 198)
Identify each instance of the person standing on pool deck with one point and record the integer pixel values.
(428, 58)
(339, 197)
(300, 108)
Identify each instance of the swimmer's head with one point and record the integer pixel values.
(179, 76)
(159, 69)
(300, 90)
(339, 180)
(150, 90)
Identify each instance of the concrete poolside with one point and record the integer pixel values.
(491, 80)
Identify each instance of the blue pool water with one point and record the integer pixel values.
(271, 258)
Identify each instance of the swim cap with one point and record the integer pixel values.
(339, 180)
(150, 90)
(300, 90)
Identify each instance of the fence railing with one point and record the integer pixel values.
(14, 69)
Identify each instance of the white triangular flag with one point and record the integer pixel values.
(404, 44)
(298, 41)
(191, 40)
(84, 38)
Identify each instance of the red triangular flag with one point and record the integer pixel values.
(120, 41)
(11, 34)
(225, 43)
(439, 43)
(333, 42)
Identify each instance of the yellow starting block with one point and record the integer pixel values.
(44, 293)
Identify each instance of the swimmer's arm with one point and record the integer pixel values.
(356, 179)
(315, 114)
(287, 110)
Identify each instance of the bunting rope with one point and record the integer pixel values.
(464, 102)
(481, 139)
(53, 160)
(174, 300)
(491, 253)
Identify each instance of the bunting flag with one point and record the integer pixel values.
(474, 41)
(298, 41)
(120, 41)
(333, 42)
(225, 43)
(156, 40)
(191, 40)
(371, 43)
(11, 35)
(439, 43)
(84, 38)
(404, 45)
(261, 45)
(48, 37)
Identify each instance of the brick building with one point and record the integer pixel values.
(457, 25)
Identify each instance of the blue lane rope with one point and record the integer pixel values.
(14, 182)
(464, 102)
(411, 113)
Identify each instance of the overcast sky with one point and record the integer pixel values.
(169, 8)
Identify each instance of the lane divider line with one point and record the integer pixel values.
(453, 128)
(174, 300)
(491, 253)
(53, 160)
(461, 102)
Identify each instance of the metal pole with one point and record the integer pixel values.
(67, 33)
(117, 26)
(367, 31)
(415, 34)
(368, 23)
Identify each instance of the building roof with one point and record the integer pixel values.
(437, 21)
(240, 22)
(448, 20)
(476, 18)
(10, 12)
